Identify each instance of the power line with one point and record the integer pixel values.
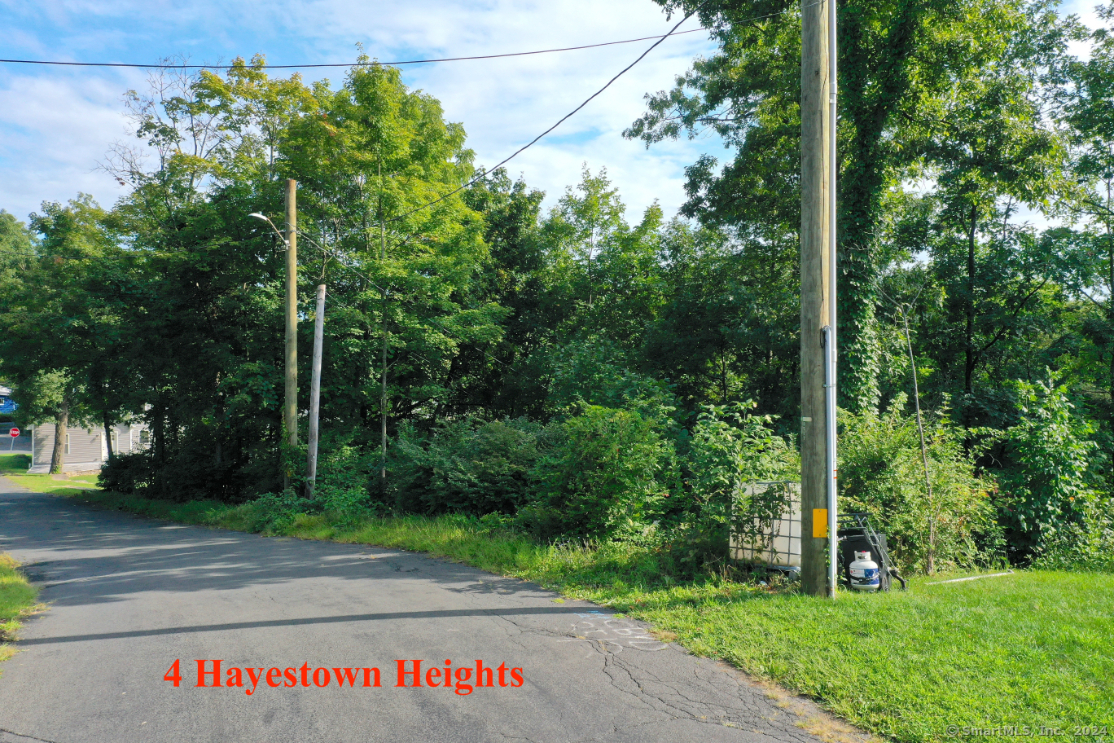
(562, 120)
(672, 31)
(164, 66)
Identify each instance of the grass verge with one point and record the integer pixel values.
(17, 597)
(1031, 649)
(14, 467)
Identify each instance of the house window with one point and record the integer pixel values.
(115, 440)
(67, 444)
(144, 437)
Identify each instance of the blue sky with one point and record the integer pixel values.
(56, 124)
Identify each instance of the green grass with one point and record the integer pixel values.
(1028, 649)
(17, 597)
(14, 467)
(14, 464)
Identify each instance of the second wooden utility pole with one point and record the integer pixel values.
(815, 293)
(290, 410)
(315, 392)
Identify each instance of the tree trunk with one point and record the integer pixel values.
(970, 358)
(61, 425)
(1110, 306)
(108, 437)
(159, 434)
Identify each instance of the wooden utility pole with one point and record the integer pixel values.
(383, 378)
(815, 293)
(315, 391)
(290, 411)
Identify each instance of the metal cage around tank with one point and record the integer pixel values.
(772, 537)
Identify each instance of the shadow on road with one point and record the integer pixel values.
(104, 556)
(443, 614)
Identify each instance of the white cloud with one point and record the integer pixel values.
(56, 125)
(55, 132)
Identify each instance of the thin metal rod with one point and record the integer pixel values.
(315, 392)
(832, 348)
(931, 566)
(830, 440)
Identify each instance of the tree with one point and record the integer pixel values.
(1086, 92)
(899, 62)
(56, 331)
(381, 224)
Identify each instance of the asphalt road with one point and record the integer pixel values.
(130, 596)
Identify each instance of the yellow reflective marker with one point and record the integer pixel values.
(820, 523)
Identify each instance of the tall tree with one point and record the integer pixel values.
(55, 338)
(1087, 99)
(381, 223)
(898, 62)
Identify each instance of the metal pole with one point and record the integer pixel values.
(290, 411)
(315, 391)
(815, 296)
(831, 347)
(931, 566)
(830, 401)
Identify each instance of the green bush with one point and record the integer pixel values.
(127, 473)
(730, 447)
(344, 474)
(597, 372)
(1087, 545)
(465, 466)
(881, 473)
(1047, 489)
(602, 474)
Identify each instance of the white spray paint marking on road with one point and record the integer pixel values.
(613, 633)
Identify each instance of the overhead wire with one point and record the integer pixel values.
(167, 66)
(673, 31)
(489, 171)
(560, 121)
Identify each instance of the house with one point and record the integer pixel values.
(7, 404)
(85, 447)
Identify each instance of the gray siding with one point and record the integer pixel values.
(42, 444)
(87, 446)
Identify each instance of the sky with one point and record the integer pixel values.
(57, 124)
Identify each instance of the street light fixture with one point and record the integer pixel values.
(282, 237)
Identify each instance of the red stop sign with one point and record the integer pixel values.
(14, 432)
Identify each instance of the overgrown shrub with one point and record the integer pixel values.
(191, 475)
(465, 466)
(596, 371)
(127, 473)
(344, 476)
(1047, 488)
(1087, 545)
(881, 473)
(602, 474)
(730, 447)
